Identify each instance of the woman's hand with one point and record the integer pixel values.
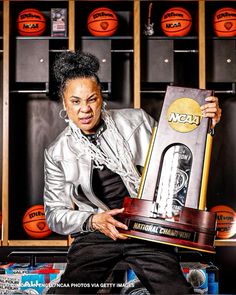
(106, 224)
(212, 110)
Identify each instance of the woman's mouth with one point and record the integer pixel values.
(86, 120)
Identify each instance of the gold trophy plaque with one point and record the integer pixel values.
(170, 206)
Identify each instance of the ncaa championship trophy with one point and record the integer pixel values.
(170, 206)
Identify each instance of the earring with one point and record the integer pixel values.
(63, 114)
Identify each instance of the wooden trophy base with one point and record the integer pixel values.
(194, 229)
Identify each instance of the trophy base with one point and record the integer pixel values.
(195, 229)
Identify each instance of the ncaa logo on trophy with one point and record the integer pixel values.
(184, 114)
(170, 205)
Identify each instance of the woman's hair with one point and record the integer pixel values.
(72, 65)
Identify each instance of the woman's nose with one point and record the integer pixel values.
(84, 107)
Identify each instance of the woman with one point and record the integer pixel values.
(93, 164)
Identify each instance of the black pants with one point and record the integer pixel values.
(92, 257)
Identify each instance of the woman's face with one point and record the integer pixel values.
(83, 103)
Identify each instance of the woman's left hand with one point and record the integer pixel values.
(212, 110)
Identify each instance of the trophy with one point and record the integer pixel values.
(170, 205)
(149, 30)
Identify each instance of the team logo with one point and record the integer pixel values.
(181, 180)
(184, 114)
(228, 25)
(104, 25)
(41, 225)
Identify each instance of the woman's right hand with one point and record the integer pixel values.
(106, 224)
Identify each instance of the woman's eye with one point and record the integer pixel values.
(75, 101)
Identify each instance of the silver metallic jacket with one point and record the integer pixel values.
(68, 179)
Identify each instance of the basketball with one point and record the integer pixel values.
(176, 21)
(31, 22)
(34, 222)
(102, 22)
(224, 22)
(226, 221)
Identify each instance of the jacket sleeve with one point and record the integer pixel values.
(149, 122)
(140, 138)
(58, 205)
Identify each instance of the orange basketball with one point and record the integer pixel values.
(31, 22)
(34, 222)
(102, 22)
(224, 22)
(176, 21)
(226, 221)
